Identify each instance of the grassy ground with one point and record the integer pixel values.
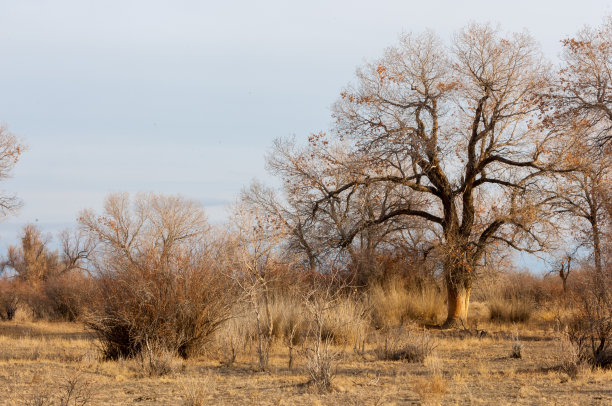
(43, 363)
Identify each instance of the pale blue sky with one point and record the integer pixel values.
(186, 96)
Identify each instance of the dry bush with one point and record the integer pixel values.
(157, 280)
(158, 361)
(177, 309)
(405, 344)
(48, 282)
(67, 295)
(74, 390)
(9, 299)
(591, 328)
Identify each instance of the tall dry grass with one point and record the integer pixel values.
(393, 304)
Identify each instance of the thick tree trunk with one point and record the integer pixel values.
(458, 278)
(458, 304)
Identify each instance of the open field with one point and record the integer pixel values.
(41, 362)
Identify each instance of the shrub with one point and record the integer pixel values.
(402, 344)
(321, 362)
(9, 299)
(66, 296)
(157, 283)
(591, 328)
(173, 309)
(517, 346)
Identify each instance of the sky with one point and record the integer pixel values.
(185, 97)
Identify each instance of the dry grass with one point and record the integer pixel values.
(513, 310)
(392, 304)
(38, 362)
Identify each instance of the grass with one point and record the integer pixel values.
(392, 304)
(512, 310)
(43, 359)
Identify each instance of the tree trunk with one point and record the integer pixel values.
(458, 304)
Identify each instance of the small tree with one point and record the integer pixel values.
(257, 241)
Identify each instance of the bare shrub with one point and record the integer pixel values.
(403, 344)
(177, 309)
(158, 361)
(66, 295)
(9, 299)
(156, 281)
(567, 355)
(591, 328)
(74, 390)
(517, 346)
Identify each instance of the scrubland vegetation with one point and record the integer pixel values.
(380, 273)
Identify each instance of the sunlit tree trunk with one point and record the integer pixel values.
(458, 287)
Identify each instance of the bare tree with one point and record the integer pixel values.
(32, 261)
(583, 94)
(330, 230)
(580, 197)
(258, 238)
(454, 131)
(10, 151)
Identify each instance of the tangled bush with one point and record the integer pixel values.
(156, 284)
(591, 329)
(404, 344)
(9, 299)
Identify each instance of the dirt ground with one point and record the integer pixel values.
(41, 363)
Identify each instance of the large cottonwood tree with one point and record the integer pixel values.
(454, 131)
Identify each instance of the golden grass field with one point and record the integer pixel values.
(43, 363)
